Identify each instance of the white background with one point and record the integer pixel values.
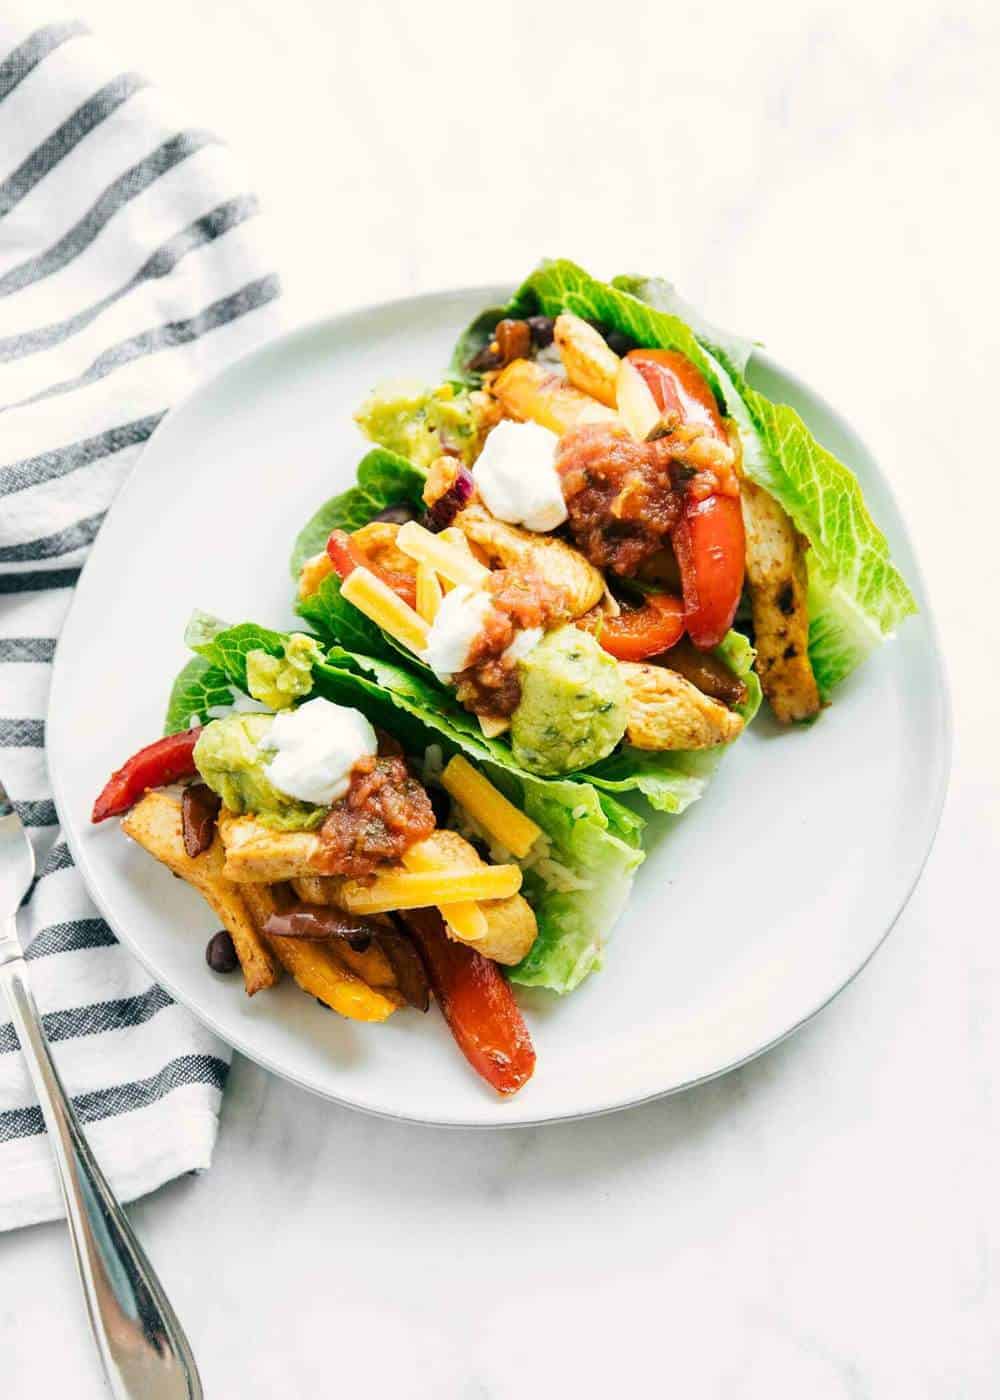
(823, 1223)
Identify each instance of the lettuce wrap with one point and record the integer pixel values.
(668, 781)
(578, 879)
(857, 598)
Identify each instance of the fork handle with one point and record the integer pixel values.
(143, 1349)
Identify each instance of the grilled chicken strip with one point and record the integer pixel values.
(259, 854)
(667, 712)
(777, 582)
(559, 564)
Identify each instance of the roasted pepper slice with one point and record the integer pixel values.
(477, 1003)
(708, 540)
(158, 764)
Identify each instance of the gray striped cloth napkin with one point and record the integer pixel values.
(131, 267)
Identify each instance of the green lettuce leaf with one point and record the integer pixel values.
(857, 597)
(670, 782)
(384, 479)
(200, 692)
(733, 350)
(226, 648)
(474, 338)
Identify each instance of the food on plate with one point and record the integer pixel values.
(610, 421)
(561, 586)
(156, 824)
(317, 845)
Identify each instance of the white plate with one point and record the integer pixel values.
(752, 910)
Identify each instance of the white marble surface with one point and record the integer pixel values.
(823, 1223)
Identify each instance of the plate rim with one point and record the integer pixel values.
(490, 294)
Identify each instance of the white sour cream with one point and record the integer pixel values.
(523, 643)
(315, 747)
(459, 621)
(516, 476)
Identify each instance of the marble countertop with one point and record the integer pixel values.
(822, 1223)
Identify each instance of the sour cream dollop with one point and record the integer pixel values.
(315, 747)
(516, 476)
(523, 643)
(459, 621)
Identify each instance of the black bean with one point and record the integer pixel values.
(220, 953)
(486, 359)
(542, 331)
(397, 514)
(621, 344)
(441, 803)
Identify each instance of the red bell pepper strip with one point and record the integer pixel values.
(346, 555)
(477, 1003)
(637, 633)
(166, 761)
(710, 547)
(708, 540)
(678, 387)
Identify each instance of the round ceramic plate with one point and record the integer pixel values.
(751, 911)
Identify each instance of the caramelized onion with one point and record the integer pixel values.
(199, 809)
(458, 495)
(321, 922)
(407, 965)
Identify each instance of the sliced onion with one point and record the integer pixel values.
(321, 922)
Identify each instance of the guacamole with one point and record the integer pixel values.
(573, 704)
(275, 682)
(228, 758)
(421, 423)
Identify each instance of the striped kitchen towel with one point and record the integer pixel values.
(132, 265)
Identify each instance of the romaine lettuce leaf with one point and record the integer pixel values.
(856, 595)
(200, 689)
(474, 338)
(226, 648)
(733, 350)
(384, 479)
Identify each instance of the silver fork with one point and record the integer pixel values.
(143, 1348)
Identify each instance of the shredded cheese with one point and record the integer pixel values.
(385, 608)
(454, 564)
(429, 594)
(453, 535)
(504, 822)
(421, 889)
(466, 918)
